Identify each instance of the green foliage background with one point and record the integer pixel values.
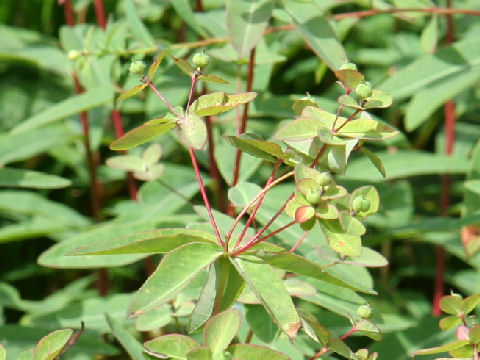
(45, 192)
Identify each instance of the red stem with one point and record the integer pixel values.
(68, 11)
(252, 215)
(243, 123)
(100, 13)
(213, 168)
(291, 223)
(204, 196)
(449, 122)
(299, 241)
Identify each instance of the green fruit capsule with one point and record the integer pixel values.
(364, 89)
(201, 59)
(74, 54)
(365, 311)
(314, 197)
(324, 179)
(137, 67)
(360, 204)
(348, 66)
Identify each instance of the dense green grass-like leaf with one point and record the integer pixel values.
(129, 343)
(73, 105)
(175, 271)
(270, 290)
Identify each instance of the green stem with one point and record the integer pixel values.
(221, 285)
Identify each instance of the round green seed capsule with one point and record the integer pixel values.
(314, 197)
(137, 67)
(324, 179)
(348, 66)
(365, 311)
(364, 89)
(360, 204)
(201, 59)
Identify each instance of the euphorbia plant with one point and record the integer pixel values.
(316, 146)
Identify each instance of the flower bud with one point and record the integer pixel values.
(364, 89)
(201, 59)
(348, 66)
(137, 67)
(365, 311)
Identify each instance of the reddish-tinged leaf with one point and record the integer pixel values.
(131, 92)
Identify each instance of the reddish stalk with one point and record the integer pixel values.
(254, 212)
(299, 241)
(255, 240)
(325, 349)
(272, 234)
(205, 197)
(100, 13)
(243, 123)
(449, 121)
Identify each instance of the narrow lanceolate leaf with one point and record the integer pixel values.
(174, 272)
(246, 22)
(142, 134)
(299, 265)
(300, 129)
(375, 160)
(156, 63)
(174, 346)
(219, 102)
(204, 306)
(131, 92)
(441, 349)
(213, 79)
(76, 104)
(254, 146)
(125, 337)
(220, 330)
(147, 242)
(183, 65)
(50, 345)
(316, 31)
(368, 129)
(270, 290)
(138, 28)
(31, 179)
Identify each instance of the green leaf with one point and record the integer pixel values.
(173, 345)
(192, 132)
(219, 102)
(76, 104)
(133, 91)
(255, 352)
(220, 330)
(299, 265)
(200, 353)
(317, 32)
(212, 79)
(379, 99)
(183, 65)
(26, 355)
(155, 319)
(33, 142)
(368, 129)
(261, 323)
(142, 134)
(10, 177)
(313, 328)
(136, 25)
(470, 303)
(351, 225)
(369, 193)
(204, 306)
(126, 163)
(441, 349)
(246, 22)
(404, 164)
(339, 241)
(474, 334)
(271, 291)
(233, 280)
(350, 79)
(3, 353)
(255, 146)
(451, 304)
(155, 64)
(338, 346)
(472, 185)
(300, 129)
(50, 345)
(449, 322)
(148, 242)
(326, 136)
(174, 272)
(429, 36)
(375, 160)
(368, 328)
(449, 61)
(183, 9)
(349, 101)
(427, 100)
(129, 343)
